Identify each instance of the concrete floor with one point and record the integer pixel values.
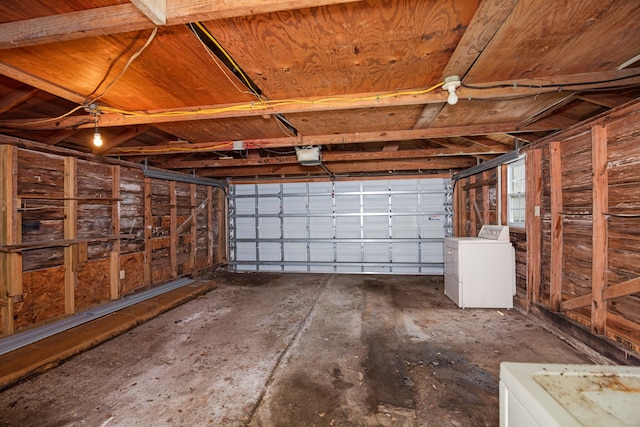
(267, 349)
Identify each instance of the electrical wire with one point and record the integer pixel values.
(126, 66)
(216, 60)
(229, 58)
(559, 86)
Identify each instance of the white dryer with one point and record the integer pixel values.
(480, 271)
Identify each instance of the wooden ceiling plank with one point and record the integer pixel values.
(155, 10)
(490, 15)
(352, 138)
(428, 115)
(74, 25)
(16, 97)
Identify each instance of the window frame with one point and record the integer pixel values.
(518, 221)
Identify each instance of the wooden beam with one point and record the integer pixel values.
(70, 232)
(606, 100)
(599, 154)
(148, 232)
(210, 241)
(74, 25)
(122, 138)
(194, 226)
(44, 85)
(221, 227)
(621, 289)
(335, 156)
(155, 10)
(555, 154)
(16, 97)
(533, 168)
(473, 208)
(183, 11)
(504, 206)
(136, 16)
(382, 166)
(418, 96)
(330, 139)
(173, 229)
(486, 208)
(114, 261)
(577, 302)
(10, 264)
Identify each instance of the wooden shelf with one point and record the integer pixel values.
(60, 243)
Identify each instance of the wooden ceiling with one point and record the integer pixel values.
(229, 89)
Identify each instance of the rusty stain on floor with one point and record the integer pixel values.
(270, 349)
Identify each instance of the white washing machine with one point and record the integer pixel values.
(555, 395)
(479, 272)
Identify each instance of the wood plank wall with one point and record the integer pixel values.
(580, 258)
(76, 233)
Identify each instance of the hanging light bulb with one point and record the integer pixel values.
(97, 138)
(451, 83)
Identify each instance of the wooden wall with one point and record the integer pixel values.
(580, 257)
(78, 232)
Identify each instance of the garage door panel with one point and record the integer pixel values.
(371, 226)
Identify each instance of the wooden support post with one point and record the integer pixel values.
(460, 210)
(173, 230)
(599, 158)
(533, 168)
(114, 262)
(221, 226)
(194, 228)
(473, 204)
(10, 234)
(148, 233)
(504, 205)
(210, 241)
(555, 153)
(70, 232)
(486, 208)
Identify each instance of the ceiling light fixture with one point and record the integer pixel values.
(97, 138)
(451, 83)
(95, 112)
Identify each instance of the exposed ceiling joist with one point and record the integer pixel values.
(155, 10)
(442, 164)
(355, 138)
(328, 156)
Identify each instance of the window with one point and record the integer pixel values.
(516, 193)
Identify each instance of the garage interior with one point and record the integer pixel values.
(234, 213)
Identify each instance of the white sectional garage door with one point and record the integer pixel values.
(381, 226)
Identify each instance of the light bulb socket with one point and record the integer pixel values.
(451, 83)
